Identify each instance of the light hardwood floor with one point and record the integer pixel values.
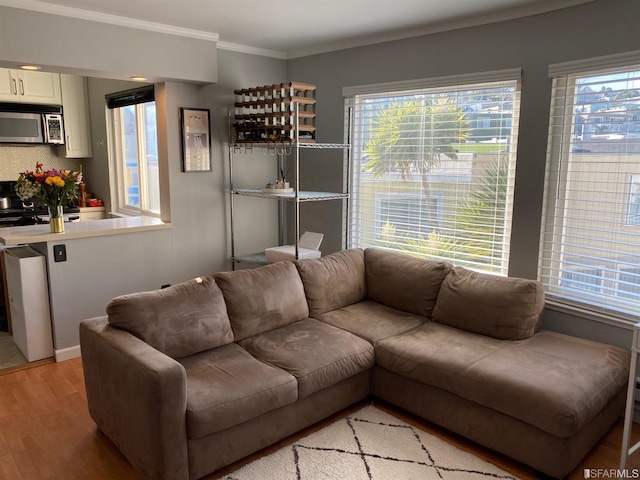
(46, 433)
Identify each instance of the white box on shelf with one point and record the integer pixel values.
(308, 247)
(288, 252)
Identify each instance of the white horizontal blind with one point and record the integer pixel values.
(590, 244)
(433, 170)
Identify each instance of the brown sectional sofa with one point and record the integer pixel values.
(188, 379)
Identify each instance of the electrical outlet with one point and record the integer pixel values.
(59, 253)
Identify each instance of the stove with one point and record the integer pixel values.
(18, 214)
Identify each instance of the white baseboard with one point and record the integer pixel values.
(67, 353)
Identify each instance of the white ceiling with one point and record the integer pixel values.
(294, 28)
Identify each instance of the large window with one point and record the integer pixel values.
(590, 250)
(135, 151)
(433, 167)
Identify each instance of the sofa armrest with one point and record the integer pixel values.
(138, 398)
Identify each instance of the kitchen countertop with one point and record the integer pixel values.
(95, 228)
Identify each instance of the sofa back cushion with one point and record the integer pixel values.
(333, 281)
(262, 299)
(403, 282)
(501, 307)
(179, 321)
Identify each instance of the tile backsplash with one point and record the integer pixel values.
(18, 158)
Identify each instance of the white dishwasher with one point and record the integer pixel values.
(28, 291)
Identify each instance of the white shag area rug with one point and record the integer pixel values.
(369, 445)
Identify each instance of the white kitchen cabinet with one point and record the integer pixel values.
(22, 86)
(28, 291)
(76, 116)
(7, 87)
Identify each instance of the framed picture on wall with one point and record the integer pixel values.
(196, 139)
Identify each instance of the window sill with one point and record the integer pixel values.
(608, 318)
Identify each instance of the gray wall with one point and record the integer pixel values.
(256, 220)
(98, 269)
(69, 45)
(590, 30)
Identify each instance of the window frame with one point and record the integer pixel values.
(474, 81)
(563, 119)
(138, 98)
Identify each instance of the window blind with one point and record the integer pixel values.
(433, 169)
(130, 97)
(590, 243)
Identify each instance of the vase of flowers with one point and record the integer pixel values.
(53, 188)
(56, 219)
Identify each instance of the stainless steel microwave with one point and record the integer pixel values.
(26, 123)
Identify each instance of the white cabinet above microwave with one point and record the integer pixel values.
(22, 86)
(76, 116)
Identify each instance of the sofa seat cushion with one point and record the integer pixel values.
(180, 320)
(554, 382)
(372, 320)
(333, 281)
(508, 308)
(227, 386)
(404, 282)
(317, 354)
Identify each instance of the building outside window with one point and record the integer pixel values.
(590, 243)
(433, 167)
(135, 151)
(633, 212)
(628, 282)
(579, 278)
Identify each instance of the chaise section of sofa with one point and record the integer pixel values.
(479, 369)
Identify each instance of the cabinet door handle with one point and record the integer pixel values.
(21, 87)
(15, 86)
(68, 143)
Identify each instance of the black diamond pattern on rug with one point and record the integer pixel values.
(369, 445)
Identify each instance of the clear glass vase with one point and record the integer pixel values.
(56, 220)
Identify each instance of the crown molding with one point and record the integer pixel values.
(506, 15)
(263, 52)
(42, 7)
